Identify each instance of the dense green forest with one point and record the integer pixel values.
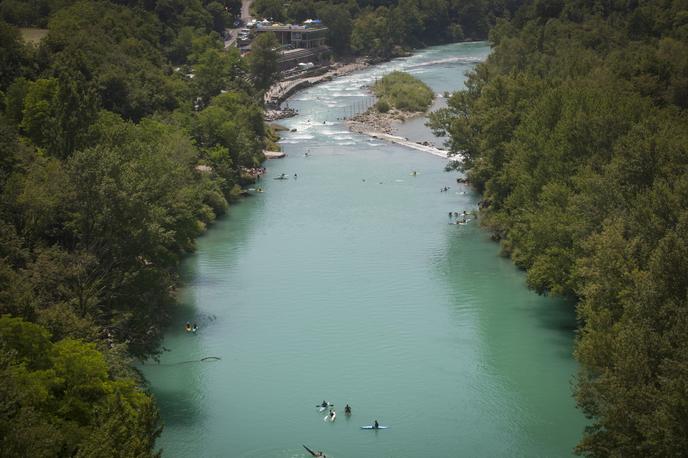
(123, 134)
(385, 28)
(576, 132)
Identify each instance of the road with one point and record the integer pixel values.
(245, 17)
(246, 10)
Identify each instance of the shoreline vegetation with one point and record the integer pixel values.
(116, 156)
(401, 97)
(579, 147)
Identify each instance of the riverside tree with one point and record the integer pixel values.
(579, 147)
(107, 176)
(263, 60)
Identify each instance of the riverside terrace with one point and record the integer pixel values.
(301, 43)
(307, 36)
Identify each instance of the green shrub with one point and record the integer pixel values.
(403, 92)
(382, 106)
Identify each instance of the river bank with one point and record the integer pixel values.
(365, 274)
(384, 126)
(371, 122)
(283, 89)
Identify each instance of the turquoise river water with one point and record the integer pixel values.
(348, 284)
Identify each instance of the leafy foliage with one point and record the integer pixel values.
(387, 28)
(57, 399)
(263, 60)
(112, 162)
(575, 131)
(403, 92)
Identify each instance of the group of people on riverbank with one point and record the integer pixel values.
(461, 218)
(253, 172)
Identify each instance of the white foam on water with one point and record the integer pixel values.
(448, 60)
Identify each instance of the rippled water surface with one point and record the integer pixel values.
(348, 284)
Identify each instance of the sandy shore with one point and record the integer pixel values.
(382, 126)
(381, 122)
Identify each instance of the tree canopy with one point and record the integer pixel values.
(575, 131)
(387, 28)
(404, 92)
(123, 135)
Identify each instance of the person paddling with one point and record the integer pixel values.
(318, 453)
(347, 410)
(376, 425)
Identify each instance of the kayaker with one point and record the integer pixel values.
(318, 453)
(376, 425)
(347, 409)
(195, 327)
(331, 414)
(324, 404)
(188, 327)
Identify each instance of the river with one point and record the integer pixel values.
(348, 284)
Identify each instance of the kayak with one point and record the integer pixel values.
(373, 427)
(332, 418)
(322, 409)
(312, 452)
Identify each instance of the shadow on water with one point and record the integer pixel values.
(179, 407)
(556, 316)
(525, 338)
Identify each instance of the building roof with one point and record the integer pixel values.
(289, 28)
